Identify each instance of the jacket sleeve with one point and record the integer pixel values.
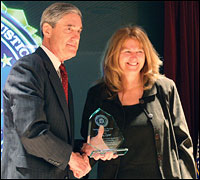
(24, 100)
(182, 135)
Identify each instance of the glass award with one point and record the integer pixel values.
(111, 137)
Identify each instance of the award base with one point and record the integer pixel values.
(119, 152)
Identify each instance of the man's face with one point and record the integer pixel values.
(65, 36)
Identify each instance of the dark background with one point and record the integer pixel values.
(100, 20)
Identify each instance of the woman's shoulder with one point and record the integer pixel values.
(97, 87)
(165, 83)
(99, 90)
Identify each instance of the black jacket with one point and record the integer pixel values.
(173, 142)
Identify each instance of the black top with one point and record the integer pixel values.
(140, 161)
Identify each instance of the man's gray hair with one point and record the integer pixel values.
(56, 11)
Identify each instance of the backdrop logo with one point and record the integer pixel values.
(17, 40)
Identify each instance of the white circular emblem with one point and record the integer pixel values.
(101, 120)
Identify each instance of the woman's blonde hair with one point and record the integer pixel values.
(111, 69)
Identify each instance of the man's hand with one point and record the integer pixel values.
(79, 164)
(98, 142)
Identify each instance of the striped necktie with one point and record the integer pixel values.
(64, 77)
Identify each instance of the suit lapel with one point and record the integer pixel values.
(57, 85)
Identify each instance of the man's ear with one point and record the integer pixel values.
(47, 30)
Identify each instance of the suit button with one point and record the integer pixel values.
(157, 136)
(66, 177)
(141, 101)
(150, 115)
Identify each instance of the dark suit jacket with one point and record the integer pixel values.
(38, 123)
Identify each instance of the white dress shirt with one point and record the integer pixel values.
(53, 58)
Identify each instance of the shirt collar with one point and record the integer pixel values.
(52, 57)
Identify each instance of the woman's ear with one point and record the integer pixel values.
(47, 30)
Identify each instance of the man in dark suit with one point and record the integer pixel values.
(38, 114)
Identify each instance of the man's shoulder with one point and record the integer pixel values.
(33, 60)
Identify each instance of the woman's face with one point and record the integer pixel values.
(132, 57)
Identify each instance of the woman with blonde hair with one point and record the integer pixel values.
(147, 109)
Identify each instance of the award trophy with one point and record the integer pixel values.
(104, 134)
